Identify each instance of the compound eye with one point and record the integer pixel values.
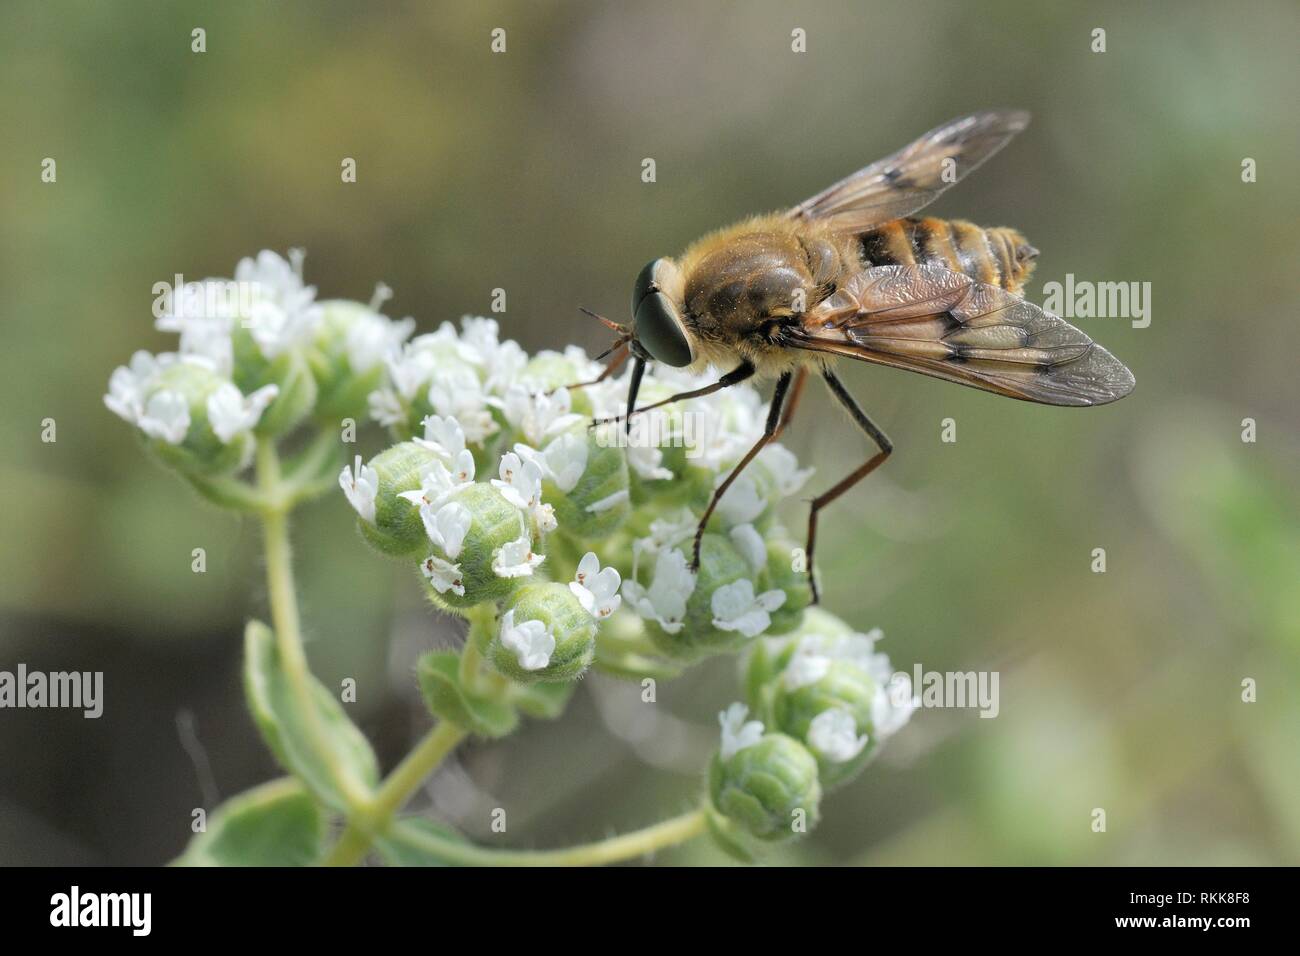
(645, 284)
(660, 331)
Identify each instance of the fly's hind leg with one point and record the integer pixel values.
(881, 441)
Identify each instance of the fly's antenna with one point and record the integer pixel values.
(624, 333)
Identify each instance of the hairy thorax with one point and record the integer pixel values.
(745, 284)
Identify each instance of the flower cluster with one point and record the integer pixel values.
(823, 701)
(256, 355)
(564, 545)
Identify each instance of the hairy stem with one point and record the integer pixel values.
(285, 621)
(629, 846)
(395, 791)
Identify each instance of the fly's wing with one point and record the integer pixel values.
(912, 178)
(930, 319)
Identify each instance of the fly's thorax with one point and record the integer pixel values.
(755, 276)
(1000, 257)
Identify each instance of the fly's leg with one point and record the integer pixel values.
(881, 441)
(738, 374)
(773, 421)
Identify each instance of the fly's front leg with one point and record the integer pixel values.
(881, 441)
(741, 372)
(773, 419)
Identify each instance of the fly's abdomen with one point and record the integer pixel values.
(999, 256)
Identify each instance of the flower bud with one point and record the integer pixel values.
(779, 574)
(194, 419)
(833, 692)
(545, 635)
(387, 520)
(716, 610)
(761, 785)
(494, 556)
(346, 356)
(287, 371)
(551, 371)
(832, 717)
(586, 484)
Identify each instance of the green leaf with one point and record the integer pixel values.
(286, 731)
(439, 675)
(276, 824)
(405, 843)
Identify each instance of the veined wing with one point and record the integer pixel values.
(930, 319)
(913, 177)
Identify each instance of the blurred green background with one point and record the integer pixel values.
(522, 171)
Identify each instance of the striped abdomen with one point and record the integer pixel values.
(998, 256)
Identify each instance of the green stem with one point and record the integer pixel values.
(285, 621)
(629, 846)
(395, 791)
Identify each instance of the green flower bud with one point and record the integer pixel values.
(288, 371)
(779, 574)
(346, 356)
(767, 790)
(716, 617)
(390, 523)
(193, 418)
(832, 717)
(486, 566)
(554, 370)
(545, 635)
(586, 484)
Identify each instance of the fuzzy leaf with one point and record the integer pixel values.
(439, 675)
(276, 824)
(270, 700)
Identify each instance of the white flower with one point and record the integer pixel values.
(538, 415)
(566, 460)
(532, 641)
(372, 338)
(783, 466)
(750, 545)
(502, 366)
(665, 600)
(442, 436)
(127, 386)
(735, 608)
(595, 588)
(520, 482)
(386, 407)
(230, 412)
(438, 485)
(443, 575)
(361, 484)
(447, 526)
(166, 415)
(664, 533)
(516, 559)
(834, 734)
(204, 314)
(521, 485)
(742, 503)
(893, 707)
(457, 392)
(283, 311)
(737, 733)
(643, 455)
(815, 653)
